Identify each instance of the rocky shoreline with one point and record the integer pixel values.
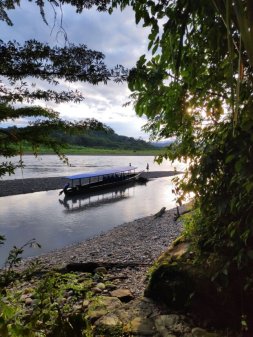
(118, 307)
(131, 247)
(128, 251)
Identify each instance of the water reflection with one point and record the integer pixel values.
(82, 202)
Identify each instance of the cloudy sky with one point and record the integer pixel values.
(116, 35)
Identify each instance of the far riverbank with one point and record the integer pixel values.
(30, 185)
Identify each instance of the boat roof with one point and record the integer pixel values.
(102, 172)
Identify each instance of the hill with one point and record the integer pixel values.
(102, 139)
(162, 143)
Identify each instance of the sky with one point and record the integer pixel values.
(116, 36)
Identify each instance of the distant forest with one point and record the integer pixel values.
(106, 140)
(101, 140)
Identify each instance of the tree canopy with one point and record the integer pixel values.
(24, 65)
(196, 85)
(197, 62)
(80, 5)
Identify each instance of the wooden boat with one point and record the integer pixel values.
(93, 182)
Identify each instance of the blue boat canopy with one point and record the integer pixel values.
(102, 172)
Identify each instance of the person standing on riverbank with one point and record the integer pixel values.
(147, 167)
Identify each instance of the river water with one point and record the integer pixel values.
(51, 166)
(55, 222)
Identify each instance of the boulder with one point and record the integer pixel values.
(172, 285)
(96, 314)
(100, 270)
(183, 285)
(110, 303)
(124, 295)
(108, 325)
(101, 286)
(199, 332)
(108, 321)
(172, 324)
(140, 326)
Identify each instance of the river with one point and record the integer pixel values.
(51, 166)
(55, 223)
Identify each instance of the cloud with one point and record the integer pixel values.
(116, 35)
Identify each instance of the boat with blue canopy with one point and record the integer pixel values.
(100, 180)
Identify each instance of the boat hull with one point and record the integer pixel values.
(100, 187)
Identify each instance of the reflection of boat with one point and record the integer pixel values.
(82, 202)
(90, 182)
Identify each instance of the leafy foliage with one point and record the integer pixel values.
(44, 306)
(37, 133)
(8, 273)
(196, 85)
(40, 61)
(52, 311)
(222, 182)
(80, 5)
(30, 72)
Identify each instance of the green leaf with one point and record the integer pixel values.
(229, 158)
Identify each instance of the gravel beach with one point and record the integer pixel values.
(137, 244)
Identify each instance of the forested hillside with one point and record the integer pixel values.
(107, 140)
(100, 139)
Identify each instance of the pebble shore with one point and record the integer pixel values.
(137, 244)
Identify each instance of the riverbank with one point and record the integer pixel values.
(115, 306)
(30, 185)
(128, 251)
(132, 247)
(140, 241)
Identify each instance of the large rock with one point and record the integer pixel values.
(109, 302)
(171, 282)
(140, 326)
(101, 306)
(185, 286)
(94, 315)
(172, 324)
(199, 332)
(167, 321)
(108, 321)
(108, 325)
(124, 295)
(105, 302)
